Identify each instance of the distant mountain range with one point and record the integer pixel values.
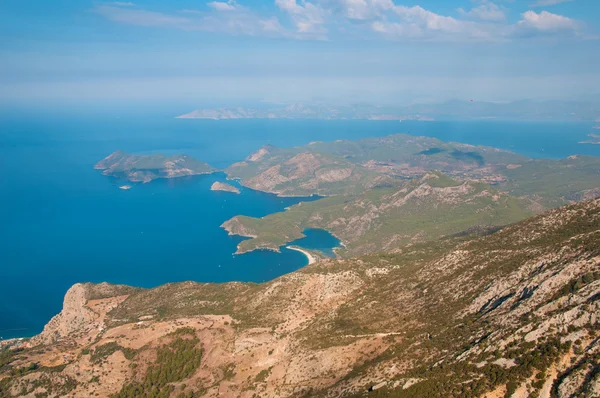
(455, 109)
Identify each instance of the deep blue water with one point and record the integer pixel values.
(318, 239)
(62, 222)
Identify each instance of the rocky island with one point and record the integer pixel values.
(221, 186)
(145, 168)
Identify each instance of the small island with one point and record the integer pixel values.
(145, 168)
(221, 186)
(595, 139)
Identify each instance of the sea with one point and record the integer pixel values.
(63, 222)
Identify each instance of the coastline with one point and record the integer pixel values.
(311, 259)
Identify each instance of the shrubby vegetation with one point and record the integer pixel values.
(577, 284)
(7, 355)
(175, 361)
(100, 353)
(461, 379)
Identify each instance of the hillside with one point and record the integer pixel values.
(553, 183)
(385, 193)
(342, 167)
(300, 172)
(140, 168)
(320, 168)
(387, 219)
(513, 311)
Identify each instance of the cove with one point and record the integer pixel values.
(319, 240)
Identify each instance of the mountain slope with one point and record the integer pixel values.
(343, 167)
(514, 310)
(388, 218)
(554, 183)
(298, 172)
(351, 167)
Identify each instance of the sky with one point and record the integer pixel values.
(336, 51)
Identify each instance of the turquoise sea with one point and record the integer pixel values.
(62, 222)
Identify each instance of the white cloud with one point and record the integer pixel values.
(222, 6)
(401, 22)
(134, 16)
(272, 25)
(544, 3)
(487, 11)
(486, 21)
(238, 21)
(417, 22)
(357, 9)
(546, 22)
(307, 17)
(353, 9)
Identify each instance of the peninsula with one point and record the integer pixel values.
(390, 192)
(221, 186)
(145, 168)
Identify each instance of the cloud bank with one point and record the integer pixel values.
(335, 19)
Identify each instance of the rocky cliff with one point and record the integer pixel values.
(513, 313)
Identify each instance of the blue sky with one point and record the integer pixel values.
(293, 50)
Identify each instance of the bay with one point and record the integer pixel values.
(63, 222)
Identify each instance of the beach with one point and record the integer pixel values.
(311, 259)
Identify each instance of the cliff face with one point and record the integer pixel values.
(512, 312)
(80, 315)
(75, 317)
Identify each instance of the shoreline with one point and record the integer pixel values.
(311, 259)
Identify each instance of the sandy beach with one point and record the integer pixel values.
(311, 259)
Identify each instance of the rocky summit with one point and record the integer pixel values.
(510, 313)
